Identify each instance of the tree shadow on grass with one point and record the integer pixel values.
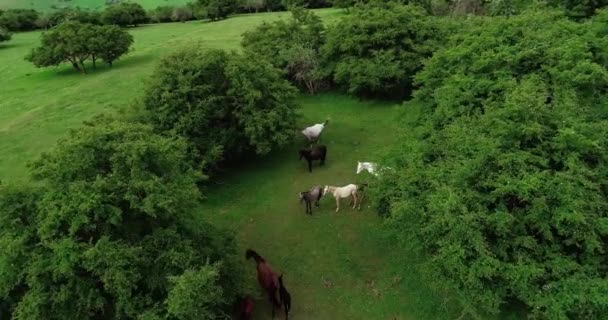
(7, 46)
(124, 63)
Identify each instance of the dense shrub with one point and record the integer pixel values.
(182, 14)
(4, 35)
(292, 45)
(217, 9)
(224, 103)
(579, 9)
(18, 19)
(70, 14)
(503, 184)
(125, 14)
(378, 48)
(76, 43)
(111, 233)
(161, 14)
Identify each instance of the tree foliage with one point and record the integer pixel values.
(76, 43)
(292, 45)
(379, 47)
(218, 9)
(224, 103)
(125, 14)
(110, 232)
(4, 35)
(18, 19)
(503, 184)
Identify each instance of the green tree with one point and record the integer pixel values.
(111, 232)
(4, 35)
(18, 19)
(217, 9)
(579, 9)
(226, 104)
(161, 14)
(378, 48)
(68, 42)
(292, 45)
(110, 43)
(125, 14)
(502, 184)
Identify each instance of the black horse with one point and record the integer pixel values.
(285, 297)
(317, 152)
(314, 194)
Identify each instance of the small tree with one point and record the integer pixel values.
(161, 14)
(114, 43)
(242, 97)
(217, 9)
(182, 14)
(66, 42)
(125, 14)
(4, 35)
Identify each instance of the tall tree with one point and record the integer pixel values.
(4, 35)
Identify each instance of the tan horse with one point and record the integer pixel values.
(350, 190)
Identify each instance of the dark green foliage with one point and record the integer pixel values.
(291, 45)
(4, 35)
(378, 48)
(579, 8)
(70, 14)
(76, 43)
(310, 4)
(224, 103)
(125, 14)
(503, 184)
(217, 9)
(18, 19)
(110, 234)
(161, 14)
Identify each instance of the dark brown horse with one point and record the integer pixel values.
(268, 279)
(246, 309)
(285, 297)
(318, 152)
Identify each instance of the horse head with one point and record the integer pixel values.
(301, 194)
(325, 190)
(359, 167)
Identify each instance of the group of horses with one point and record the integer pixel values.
(268, 279)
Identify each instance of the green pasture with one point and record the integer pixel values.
(46, 5)
(336, 265)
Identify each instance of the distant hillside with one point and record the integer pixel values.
(48, 5)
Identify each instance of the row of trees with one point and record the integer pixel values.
(111, 228)
(76, 43)
(502, 183)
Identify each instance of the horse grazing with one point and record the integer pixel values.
(313, 133)
(246, 309)
(314, 194)
(285, 297)
(350, 190)
(267, 278)
(318, 152)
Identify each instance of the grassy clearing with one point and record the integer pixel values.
(337, 265)
(38, 106)
(46, 5)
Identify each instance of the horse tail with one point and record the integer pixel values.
(251, 253)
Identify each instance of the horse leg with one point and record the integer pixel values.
(308, 207)
(272, 302)
(361, 200)
(355, 198)
(337, 204)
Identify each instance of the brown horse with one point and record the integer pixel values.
(268, 279)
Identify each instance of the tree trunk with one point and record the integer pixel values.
(75, 65)
(110, 63)
(94, 64)
(84, 69)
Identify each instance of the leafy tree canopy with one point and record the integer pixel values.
(110, 233)
(217, 9)
(503, 183)
(224, 103)
(4, 35)
(125, 14)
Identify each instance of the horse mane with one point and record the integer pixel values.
(251, 253)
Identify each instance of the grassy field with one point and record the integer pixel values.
(46, 5)
(337, 266)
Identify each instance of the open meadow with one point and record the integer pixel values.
(337, 265)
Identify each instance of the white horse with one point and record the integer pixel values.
(350, 190)
(367, 166)
(313, 133)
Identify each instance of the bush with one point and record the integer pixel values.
(378, 49)
(125, 14)
(4, 35)
(579, 9)
(75, 43)
(182, 14)
(18, 19)
(217, 9)
(161, 14)
(70, 14)
(503, 184)
(111, 232)
(226, 104)
(291, 45)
